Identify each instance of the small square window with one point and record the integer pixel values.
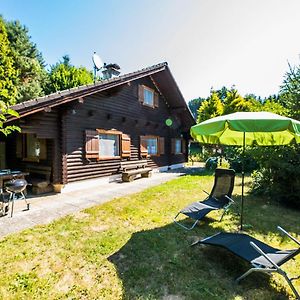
(148, 97)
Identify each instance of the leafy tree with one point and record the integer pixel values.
(63, 76)
(8, 73)
(290, 91)
(210, 108)
(28, 62)
(6, 111)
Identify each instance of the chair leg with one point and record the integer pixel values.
(225, 210)
(269, 271)
(245, 274)
(181, 225)
(290, 284)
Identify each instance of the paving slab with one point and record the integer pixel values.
(45, 209)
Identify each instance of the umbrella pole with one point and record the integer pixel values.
(243, 179)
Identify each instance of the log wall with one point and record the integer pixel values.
(118, 109)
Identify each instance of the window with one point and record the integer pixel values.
(178, 146)
(148, 96)
(31, 148)
(106, 144)
(151, 145)
(109, 145)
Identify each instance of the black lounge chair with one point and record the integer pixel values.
(219, 198)
(261, 256)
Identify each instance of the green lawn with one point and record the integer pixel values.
(129, 248)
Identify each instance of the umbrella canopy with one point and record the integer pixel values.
(260, 128)
(247, 128)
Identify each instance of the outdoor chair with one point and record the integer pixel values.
(219, 198)
(261, 256)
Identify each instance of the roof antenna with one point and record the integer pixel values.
(98, 64)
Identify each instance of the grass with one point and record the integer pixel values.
(129, 248)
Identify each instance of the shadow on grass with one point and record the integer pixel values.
(160, 264)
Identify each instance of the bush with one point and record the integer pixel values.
(279, 174)
(235, 158)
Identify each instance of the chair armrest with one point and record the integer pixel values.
(291, 237)
(231, 200)
(264, 255)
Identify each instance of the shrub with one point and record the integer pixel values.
(235, 158)
(279, 174)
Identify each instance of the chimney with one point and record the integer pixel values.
(110, 71)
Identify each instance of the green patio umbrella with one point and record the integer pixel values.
(247, 128)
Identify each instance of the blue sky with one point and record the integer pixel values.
(207, 43)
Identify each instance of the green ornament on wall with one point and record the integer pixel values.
(169, 122)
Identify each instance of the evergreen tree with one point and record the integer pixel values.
(210, 108)
(194, 106)
(8, 73)
(290, 91)
(234, 102)
(64, 76)
(28, 62)
(275, 107)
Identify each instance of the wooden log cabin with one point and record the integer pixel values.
(88, 132)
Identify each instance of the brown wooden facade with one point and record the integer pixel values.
(66, 128)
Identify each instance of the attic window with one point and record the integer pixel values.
(148, 96)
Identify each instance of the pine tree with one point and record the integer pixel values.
(234, 102)
(210, 108)
(28, 62)
(290, 91)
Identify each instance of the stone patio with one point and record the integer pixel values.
(44, 209)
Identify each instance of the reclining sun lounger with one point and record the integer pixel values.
(219, 198)
(261, 256)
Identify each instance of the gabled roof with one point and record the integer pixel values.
(160, 74)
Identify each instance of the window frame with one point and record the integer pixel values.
(182, 145)
(149, 137)
(110, 132)
(160, 150)
(23, 144)
(152, 93)
(177, 141)
(141, 96)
